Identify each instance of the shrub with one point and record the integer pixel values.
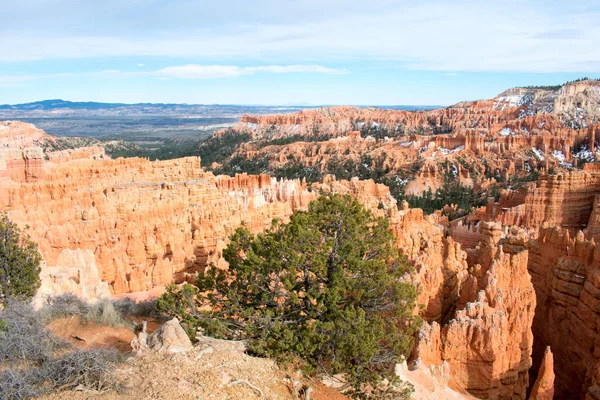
(91, 369)
(87, 369)
(326, 289)
(24, 337)
(104, 312)
(18, 385)
(34, 361)
(19, 262)
(129, 307)
(63, 305)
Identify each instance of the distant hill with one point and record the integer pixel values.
(89, 108)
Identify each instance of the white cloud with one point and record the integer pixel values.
(140, 65)
(441, 35)
(194, 71)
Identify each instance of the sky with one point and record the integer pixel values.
(301, 52)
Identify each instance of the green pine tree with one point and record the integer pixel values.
(327, 289)
(19, 262)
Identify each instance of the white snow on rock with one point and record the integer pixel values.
(586, 155)
(562, 160)
(448, 151)
(511, 101)
(558, 155)
(538, 153)
(506, 132)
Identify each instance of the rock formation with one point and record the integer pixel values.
(560, 216)
(169, 337)
(565, 270)
(565, 199)
(485, 336)
(16, 134)
(543, 389)
(430, 383)
(139, 224)
(520, 131)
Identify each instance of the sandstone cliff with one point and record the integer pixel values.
(522, 131)
(138, 224)
(16, 134)
(485, 336)
(559, 215)
(565, 270)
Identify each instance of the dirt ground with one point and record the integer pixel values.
(214, 369)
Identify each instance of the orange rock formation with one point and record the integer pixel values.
(485, 334)
(543, 389)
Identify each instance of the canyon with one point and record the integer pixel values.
(509, 292)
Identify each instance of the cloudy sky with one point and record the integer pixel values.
(377, 52)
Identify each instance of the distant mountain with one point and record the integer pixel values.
(88, 108)
(58, 103)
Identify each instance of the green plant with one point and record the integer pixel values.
(19, 262)
(327, 289)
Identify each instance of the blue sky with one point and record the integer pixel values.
(377, 52)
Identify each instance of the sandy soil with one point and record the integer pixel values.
(214, 369)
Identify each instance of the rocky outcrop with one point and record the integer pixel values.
(430, 383)
(21, 165)
(565, 270)
(518, 133)
(140, 224)
(565, 199)
(130, 225)
(543, 389)
(169, 337)
(560, 215)
(89, 152)
(17, 135)
(486, 336)
(579, 101)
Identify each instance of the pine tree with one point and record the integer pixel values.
(328, 289)
(19, 262)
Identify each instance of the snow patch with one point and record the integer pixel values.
(448, 151)
(538, 153)
(511, 101)
(562, 160)
(506, 132)
(586, 155)
(558, 155)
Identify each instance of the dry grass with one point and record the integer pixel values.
(34, 361)
(105, 312)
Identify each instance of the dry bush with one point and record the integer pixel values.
(90, 369)
(20, 384)
(33, 361)
(104, 312)
(129, 307)
(63, 305)
(24, 336)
